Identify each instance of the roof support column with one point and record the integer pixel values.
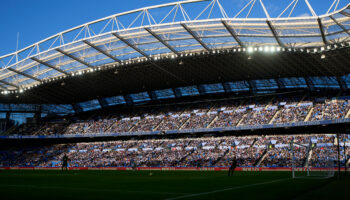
(103, 102)
(227, 87)
(252, 86)
(201, 89)
(342, 83)
(128, 99)
(279, 83)
(152, 95)
(309, 83)
(177, 92)
(77, 108)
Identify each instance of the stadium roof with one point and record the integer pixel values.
(170, 30)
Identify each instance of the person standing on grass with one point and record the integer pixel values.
(65, 162)
(233, 167)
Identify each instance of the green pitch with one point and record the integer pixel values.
(166, 185)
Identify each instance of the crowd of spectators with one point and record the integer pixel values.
(335, 109)
(201, 115)
(250, 151)
(292, 114)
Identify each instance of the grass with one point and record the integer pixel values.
(165, 185)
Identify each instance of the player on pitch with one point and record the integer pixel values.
(233, 167)
(65, 162)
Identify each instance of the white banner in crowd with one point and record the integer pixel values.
(133, 149)
(208, 147)
(228, 111)
(119, 149)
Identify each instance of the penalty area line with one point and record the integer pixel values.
(227, 189)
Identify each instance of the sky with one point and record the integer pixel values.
(35, 20)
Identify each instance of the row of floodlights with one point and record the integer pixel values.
(249, 50)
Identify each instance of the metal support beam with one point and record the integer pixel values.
(279, 83)
(195, 37)
(3, 88)
(309, 83)
(23, 74)
(128, 99)
(101, 51)
(130, 45)
(345, 13)
(232, 32)
(322, 31)
(252, 86)
(48, 65)
(201, 90)
(152, 95)
(147, 56)
(227, 87)
(161, 41)
(74, 58)
(177, 92)
(340, 25)
(10, 84)
(341, 83)
(274, 33)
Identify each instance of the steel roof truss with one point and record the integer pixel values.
(162, 41)
(24, 74)
(195, 37)
(74, 58)
(340, 25)
(345, 13)
(10, 84)
(101, 51)
(49, 65)
(130, 45)
(233, 33)
(274, 33)
(322, 31)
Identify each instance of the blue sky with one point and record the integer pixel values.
(38, 19)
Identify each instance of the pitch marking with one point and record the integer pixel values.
(227, 189)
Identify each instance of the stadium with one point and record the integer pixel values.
(196, 99)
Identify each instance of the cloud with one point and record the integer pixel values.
(304, 15)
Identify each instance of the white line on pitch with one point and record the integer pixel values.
(226, 189)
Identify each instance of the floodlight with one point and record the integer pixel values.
(250, 49)
(266, 49)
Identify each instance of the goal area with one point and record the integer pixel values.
(312, 161)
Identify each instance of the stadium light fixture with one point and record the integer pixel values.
(250, 49)
(266, 49)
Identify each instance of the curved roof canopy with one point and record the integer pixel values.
(172, 29)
